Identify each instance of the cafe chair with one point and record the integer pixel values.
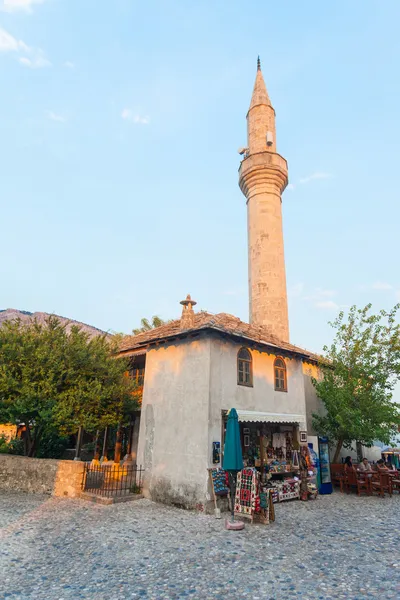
(396, 483)
(338, 478)
(358, 483)
(381, 483)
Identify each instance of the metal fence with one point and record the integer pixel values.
(112, 480)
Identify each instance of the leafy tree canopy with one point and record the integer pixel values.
(54, 381)
(358, 375)
(146, 324)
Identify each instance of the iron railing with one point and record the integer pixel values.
(110, 480)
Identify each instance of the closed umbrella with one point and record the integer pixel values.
(233, 459)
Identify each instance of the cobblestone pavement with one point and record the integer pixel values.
(336, 547)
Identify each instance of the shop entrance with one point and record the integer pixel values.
(270, 445)
(273, 449)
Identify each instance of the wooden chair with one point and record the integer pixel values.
(338, 478)
(381, 483)
(357, 481)
(395, 482)
(363, 484)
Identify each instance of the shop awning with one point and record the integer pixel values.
(251, 416)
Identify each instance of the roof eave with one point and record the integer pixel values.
(187, 332)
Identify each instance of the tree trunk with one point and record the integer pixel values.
(78, 446)
(359, 451)
(97, 446)
(105, 443)
(338, 449)
(118, 445)
(37, 434)
(128, 456)
(27, 441)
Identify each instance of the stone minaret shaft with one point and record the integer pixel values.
(263, 176)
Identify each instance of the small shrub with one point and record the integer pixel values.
(13, 446)
(52, 445)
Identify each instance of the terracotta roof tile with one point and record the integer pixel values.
(222, 322)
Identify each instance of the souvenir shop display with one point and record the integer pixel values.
(273, 450)
(218, 477)
(252, 501)
(288, 489)
(219, 486)
(308, 474)
(274, 446)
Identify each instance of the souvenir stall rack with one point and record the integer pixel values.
(271, 446)
(253, 500)
(219, 487)
(250, 501)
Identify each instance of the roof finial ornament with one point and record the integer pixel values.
(188, 317)
(258, 64)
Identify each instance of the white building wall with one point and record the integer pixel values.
(313, 403)
(226, 393)
(187, 385)
(261, 397)
(173, 438)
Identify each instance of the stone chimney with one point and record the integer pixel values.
(187, 318)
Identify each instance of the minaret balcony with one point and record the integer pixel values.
(262, 165)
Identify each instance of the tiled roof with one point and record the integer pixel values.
(221, 322)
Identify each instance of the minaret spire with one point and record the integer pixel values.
(263, 176)
(260, 94)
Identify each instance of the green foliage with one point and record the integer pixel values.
(13, 446)
(359, 372)
(54, 381)
(146, 325)
(52, 445)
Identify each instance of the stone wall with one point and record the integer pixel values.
(173, 437)
(41, 476)
(68, 482)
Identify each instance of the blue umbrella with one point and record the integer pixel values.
(233, 458)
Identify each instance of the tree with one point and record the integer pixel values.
(146, 325)
(54, 381)
(358, 374)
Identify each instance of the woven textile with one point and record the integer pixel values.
(286, 490)
(247, 500)
(219, 482)
(275, 495)
(267, 513)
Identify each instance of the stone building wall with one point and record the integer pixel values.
(187, 386)
(262, 396)
(173, 438)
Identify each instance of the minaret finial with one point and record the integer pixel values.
(258, 64)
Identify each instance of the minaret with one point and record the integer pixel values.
(263, 175)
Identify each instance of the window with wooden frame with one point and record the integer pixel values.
(137, 369)
(280, 375)
(244, 367)
(138, 376)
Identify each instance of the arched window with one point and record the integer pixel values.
(244, 367)
(280, 375)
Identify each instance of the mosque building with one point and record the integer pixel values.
(196, 368)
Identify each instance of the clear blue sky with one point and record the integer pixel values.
(120, 123)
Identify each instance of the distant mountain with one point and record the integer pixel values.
(9, 314)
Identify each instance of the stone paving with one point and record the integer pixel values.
(336, 547)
